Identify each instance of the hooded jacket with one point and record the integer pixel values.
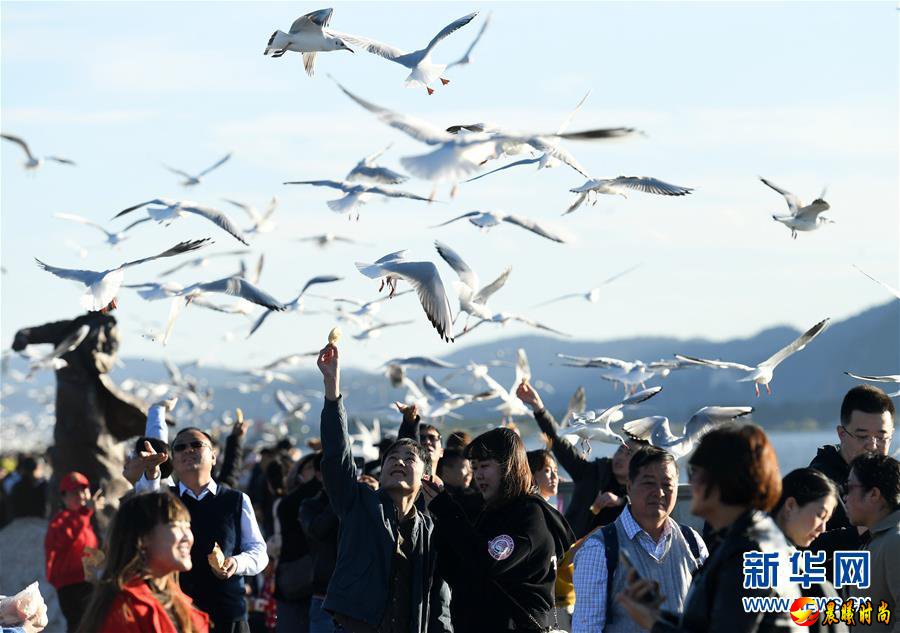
(500, 561)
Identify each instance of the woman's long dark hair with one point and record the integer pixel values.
(506, 448)
(805, 485)
(137, 517)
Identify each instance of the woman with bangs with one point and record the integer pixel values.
(499, 553)
(149, 543)
(735, 482)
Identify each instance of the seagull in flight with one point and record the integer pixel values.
(364, 311)
(368, 171)
(595, 425)
(295, 304)
(355, 194)
(423, 71)
(485, 220)
(887, 287)
(165, 211)
(895, 378)
(374, 331)
(190, 180)
(102, 286)
(262, 222)
(52, 360)
(510, 406)
(33, 162)
(420, 361)
(457, 156)
(502, 318)
(592, 295)
(762, 374)
(466, 59)
(630, 374)
(448, 401)
(323, 240)
(309, 35)
(801, 218)
(200, 262)
(618, 186)
(113, 239)
(472, 299)
(425, 280)
(656, 429)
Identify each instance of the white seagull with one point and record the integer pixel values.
(33, 162)
(448, 401)
(656, 429)
(895, 378)
(887, 287)
(368, 171)
(309, 35)
(262, 222)
(113, 239)
(190, 180)
(200, 262)
(618, 186)
(375, 331)
(364, 312)
(485, 220)
(801, 218)
(502, 318)
(595, 425)
(424, 278)
(511, 405)
(466, 59)
(420, 361)
(472, 298)
(592, 295)
(165, 211)
(355, 194)
(762, 374)
(630, 374)
(323, 240)
(423, 71)
(102, 286)
(296, 304)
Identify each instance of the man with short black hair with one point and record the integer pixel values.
(867, 425)
(384, 578)
(873, 502)
(660, 549)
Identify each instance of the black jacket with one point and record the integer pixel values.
(320, 525)
(714, 599)
(294, 542)
(589, 477)
(829, 462)
(499, 558)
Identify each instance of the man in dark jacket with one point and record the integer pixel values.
(867, 426)
(384, 577)
(320, 525)
(599, 492)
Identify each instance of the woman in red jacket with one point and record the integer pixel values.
(149, 543)
(68, 534)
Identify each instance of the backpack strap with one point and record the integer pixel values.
(691, 539)
(611, 551)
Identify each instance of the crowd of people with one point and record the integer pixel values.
(460, 533)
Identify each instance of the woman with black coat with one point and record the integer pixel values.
(498, 550)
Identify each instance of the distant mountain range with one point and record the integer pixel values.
(807, 388)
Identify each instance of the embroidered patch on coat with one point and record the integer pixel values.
(501, 547)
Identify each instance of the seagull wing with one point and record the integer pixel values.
(796, 345)
(246, 208)
(136, 222)
(86, 277)
(579, 200)
(621, 274)
(393, 193)
(571, 295)
(259, 322)
(435, 390)
(69, 343)
(523, 370)
(597, 133)
(460, 267)
(568, 120)
(415, 128)
(812, 211)
(426, 280)
(524, 161)
(534, 227)
(485, 293)
(642, 428)
(334, 184)
(535, 324)
(77, 218)
(447, 30)
(142, 204)
(719, 364)
(647, 184)
(577, 403)
(708, 418)
(641, 396)
(890, 289)
(320, 279)
(893, 378)
(219, 218)
(18, 141)
(388, 52)
(215, 165)
(61, 160)
(178, 249)
(314, 19)
(793, 201)
(239, 287)
(178, 172)
(467, 58)
(459, 217)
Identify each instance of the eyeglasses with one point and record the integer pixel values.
(430, 438)
(196, 445)
(881, 438)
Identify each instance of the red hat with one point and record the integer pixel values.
(73, 481)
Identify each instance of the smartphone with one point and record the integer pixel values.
(649, 597)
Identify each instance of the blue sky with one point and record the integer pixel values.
(805, 94)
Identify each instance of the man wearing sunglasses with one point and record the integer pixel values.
(219, 514)
(866, 426)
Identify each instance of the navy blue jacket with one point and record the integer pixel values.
(360, 585)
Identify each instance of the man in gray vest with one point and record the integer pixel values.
(659, 548)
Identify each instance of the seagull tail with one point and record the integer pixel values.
(277, 44)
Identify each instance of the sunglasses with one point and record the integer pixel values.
(196, 444)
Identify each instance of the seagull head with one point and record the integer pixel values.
(341, 45)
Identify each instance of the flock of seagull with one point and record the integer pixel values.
(455, 155)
